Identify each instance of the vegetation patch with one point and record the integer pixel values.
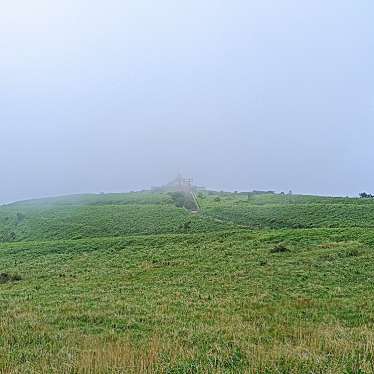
(90, 221)
(133, 284)
(284, 211)
(352, 252)
(9, 278)
(183, 200)
(279, 248)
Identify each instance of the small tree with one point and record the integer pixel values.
(364, 195)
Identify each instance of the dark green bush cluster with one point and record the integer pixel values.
(8, 278)
(364, 195)
(183, 200)
(7, 236)
(279, 248)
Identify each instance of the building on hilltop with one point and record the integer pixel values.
(178, 184)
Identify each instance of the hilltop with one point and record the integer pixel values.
(262, 283)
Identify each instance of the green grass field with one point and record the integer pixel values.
(277, 211)
(135, 285)
(83, 217)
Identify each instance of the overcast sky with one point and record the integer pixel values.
(243, 94)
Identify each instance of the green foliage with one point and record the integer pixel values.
(183, 200)
(6, 278)
(178, 198)
(75, 222)
(279, 248)
(278, 211)
(131, 283)
(138, 198)
(365, 195)
(206, 301)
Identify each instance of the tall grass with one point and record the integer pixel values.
(217, 302)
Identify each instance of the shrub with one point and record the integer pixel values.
(178, 199)
(365, 195)
(280, 248)
(354, 252)
(189, 204)
(7, 278)
(187, 225)
(183, 200)
(7, 236)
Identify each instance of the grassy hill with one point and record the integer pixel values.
(87, 216)
(134, 284)
(98, 199)
(278, 211)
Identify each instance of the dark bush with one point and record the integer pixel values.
(183, 200)
(365, 195)
(354, 252)
(7, 236)
(280, 248)
(178, 198)
(189, 204)
(7, 278)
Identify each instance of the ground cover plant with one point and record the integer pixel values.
(34, 221)
(145, 197)
(220, 298)
(282, 211)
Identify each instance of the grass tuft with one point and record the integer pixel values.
(8, 278)
(280, 248)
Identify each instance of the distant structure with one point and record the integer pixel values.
(179, 184)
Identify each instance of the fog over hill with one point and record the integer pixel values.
(121, 96)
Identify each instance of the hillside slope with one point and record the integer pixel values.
(86, 216)
(277, 211)
(133, 284)
(216, 302)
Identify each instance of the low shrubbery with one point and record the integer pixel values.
(183, 200)
(8, 278)
(279, 248)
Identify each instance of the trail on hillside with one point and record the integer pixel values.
(195, 201)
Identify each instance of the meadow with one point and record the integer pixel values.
(209, 296)
(282, 211)
(46, 221)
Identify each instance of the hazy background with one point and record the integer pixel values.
(240, 94)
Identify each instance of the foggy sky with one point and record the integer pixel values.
(243, 94)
